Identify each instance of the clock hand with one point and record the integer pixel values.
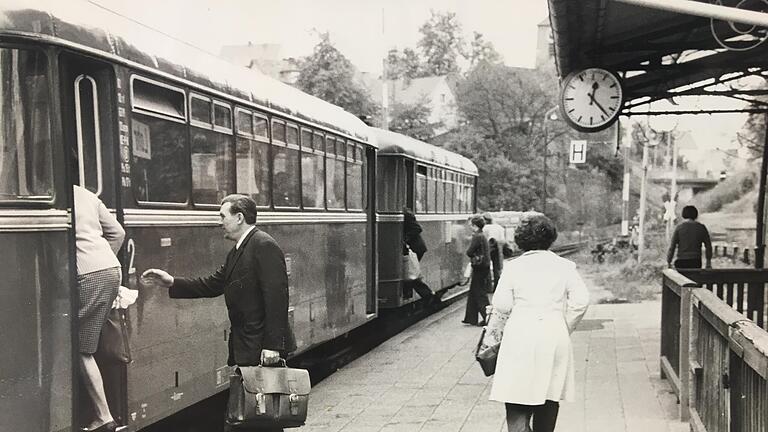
(593, 100)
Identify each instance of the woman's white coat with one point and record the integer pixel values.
(544, 298)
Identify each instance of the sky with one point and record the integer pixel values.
(363, 30)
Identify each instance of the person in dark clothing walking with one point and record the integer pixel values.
(480, 258)
(687, 239)
(414, 241)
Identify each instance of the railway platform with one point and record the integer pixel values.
(425, 379)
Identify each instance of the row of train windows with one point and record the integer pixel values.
(441, 191)
(276, 162)
(436, 190)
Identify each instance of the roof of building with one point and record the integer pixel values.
(391, 143)
(409, 91)
(95, 29)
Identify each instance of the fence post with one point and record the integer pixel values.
(685, 349)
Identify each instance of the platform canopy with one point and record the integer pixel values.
(664, 48)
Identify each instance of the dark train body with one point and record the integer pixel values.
(163, 131)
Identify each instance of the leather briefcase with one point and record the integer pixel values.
(268, 397)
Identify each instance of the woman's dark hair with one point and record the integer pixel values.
(690, 212)
(242, 204)
(477, 221)
(535, 232)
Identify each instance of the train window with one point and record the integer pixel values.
(317, 142)
(200, 111)
(364, 174)
(440, 192)
(390, 184)
(285, 166)
(26, 171)
(278, 131)
(330, 145)
(160, 171)
(244, 122)
(292, 135)
(260, 127)
(354, 179)
(222, 117)
(211, 165)
(157, 99)
(306, 138)
(421, 189)
(449, 195)
(88, 134)
(253, 169)
(334, 177)
(431, 191)
(312, 172)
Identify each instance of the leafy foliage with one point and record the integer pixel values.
(441, 44)
(481, 50)
(413, 120)
(329, 75)
(403, 65)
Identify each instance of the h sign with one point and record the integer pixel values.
(578, 151)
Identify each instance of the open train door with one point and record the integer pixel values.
(87, 89)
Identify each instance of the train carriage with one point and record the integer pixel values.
(162, 132)
(439, 186)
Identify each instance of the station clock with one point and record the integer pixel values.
(591, 99)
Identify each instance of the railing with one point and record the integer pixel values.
(741, 289)
(718, 361)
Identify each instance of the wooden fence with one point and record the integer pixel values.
(718, 361)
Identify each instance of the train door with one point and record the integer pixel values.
(87, 89)
(409, 179)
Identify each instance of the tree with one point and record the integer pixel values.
(441, 44)
(481, 50)
(413, 120)
(329, 75)
(402, 65)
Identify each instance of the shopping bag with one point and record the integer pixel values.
(486, 355)
(411, 267)
(268, 397)
(114, 345)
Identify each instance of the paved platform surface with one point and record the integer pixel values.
(426, 379)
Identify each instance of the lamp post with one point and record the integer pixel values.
(551, 114)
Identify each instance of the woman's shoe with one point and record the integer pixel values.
(110, 426)
(481, 323)
(470, 323)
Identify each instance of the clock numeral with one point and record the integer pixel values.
(590, 120)
(572, 110)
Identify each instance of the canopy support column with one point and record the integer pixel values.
(760, 235)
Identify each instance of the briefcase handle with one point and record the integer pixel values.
(280, 363)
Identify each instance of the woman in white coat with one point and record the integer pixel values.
(539, 301)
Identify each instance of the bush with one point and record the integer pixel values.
(727, 191)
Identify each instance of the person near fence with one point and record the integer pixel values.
(98, 238)
(480, 259)
(538, 303)
(496, 242)
(688, 238)
(254, 282)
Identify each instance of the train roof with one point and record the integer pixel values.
(101, 31)
(392, 143)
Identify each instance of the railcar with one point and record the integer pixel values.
(162, 131)
(439, 187)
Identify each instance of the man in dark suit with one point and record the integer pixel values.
(254, 282)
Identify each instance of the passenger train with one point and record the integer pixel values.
(162, 131)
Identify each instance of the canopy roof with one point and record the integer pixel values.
(658, 53)
(391, 143)
(95, 29)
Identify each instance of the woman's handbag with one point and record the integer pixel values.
(487, 355)
(411, 266)
(113, 340)
(268, 397)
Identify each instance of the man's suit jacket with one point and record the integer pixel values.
(255, 286)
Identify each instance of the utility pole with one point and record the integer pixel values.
(641, 239)
(673, 185)
(549, 115)
(625, 186)
(384, 84)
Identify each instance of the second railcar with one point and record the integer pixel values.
(439, 187)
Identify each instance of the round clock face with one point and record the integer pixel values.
(591, 99)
